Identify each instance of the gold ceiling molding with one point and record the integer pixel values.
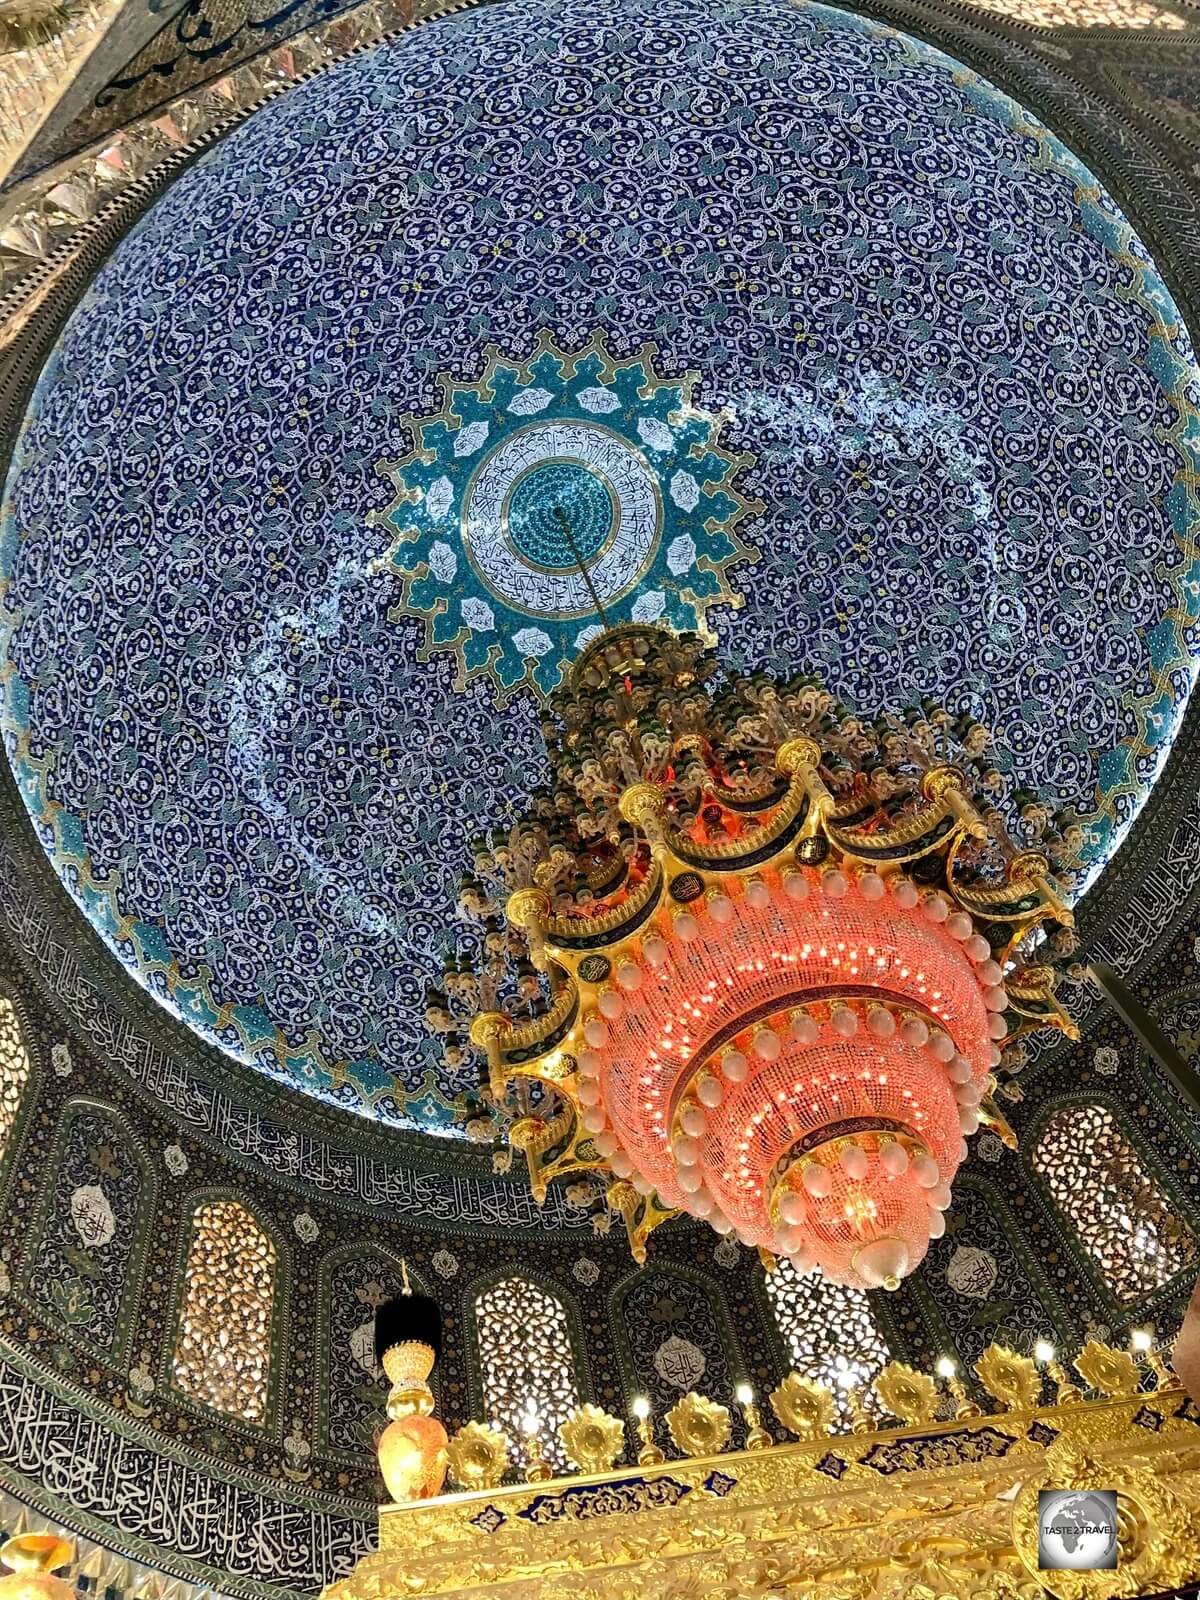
(927, 1512)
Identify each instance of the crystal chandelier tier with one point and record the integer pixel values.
(754, 958)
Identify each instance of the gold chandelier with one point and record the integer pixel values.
(752, 957)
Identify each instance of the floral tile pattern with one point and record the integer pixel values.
(966, 392)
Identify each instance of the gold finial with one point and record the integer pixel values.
(964, 1406)
(537, 1468)
(649, 1455)
(757, 1437)
(1141, 1342)
(1066, 1393)
(860, 1422)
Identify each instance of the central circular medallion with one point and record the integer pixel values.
(550, 483)
(560, 513)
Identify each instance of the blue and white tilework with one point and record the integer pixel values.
(939, 358)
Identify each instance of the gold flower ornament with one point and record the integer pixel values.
(907, 1394)
(805, 1409)
(592, 1438)
(1113, 1372)
(1009, 1378)
(478, 1456)
(699, 1427)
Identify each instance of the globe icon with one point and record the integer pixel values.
(1077, 1530)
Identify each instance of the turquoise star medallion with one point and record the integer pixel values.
(550, 496)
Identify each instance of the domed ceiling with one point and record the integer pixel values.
(771, 320)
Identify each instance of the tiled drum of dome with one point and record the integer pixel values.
(251, 704)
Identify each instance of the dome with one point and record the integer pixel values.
(764, 320)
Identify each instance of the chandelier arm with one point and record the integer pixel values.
(569, 938)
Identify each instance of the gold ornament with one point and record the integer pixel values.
(478, 1456)
(408, 1365)
(649, 1455)
(1113, 1372)
(907, 1393)
(412, 1457)
(34, 1559)
(1009, 1378)
(1156, 1531)
(592, 1439)
(949, 1516)
(698, 1427)
(805, 1409)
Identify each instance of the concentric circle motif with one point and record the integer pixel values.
(554, 501)
(571, 490)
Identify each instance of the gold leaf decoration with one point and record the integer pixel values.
(1009, 1378)
(699, 1427)
(1113, 1372)
(478, 1456)
(908, 1394)
(805, 1409)
(592, 1438)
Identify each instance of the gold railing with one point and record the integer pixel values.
(945, 1510)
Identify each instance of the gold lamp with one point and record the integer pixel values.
(412, 1448)
(33, 1560)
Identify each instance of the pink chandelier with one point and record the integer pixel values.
(756, 960)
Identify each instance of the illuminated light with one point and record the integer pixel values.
(718, 1043)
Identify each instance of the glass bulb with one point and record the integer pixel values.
(1043, 1351)
(641, 1407)
(946, 1367)
(529, 1421)
(745, 1394)
(1141, 1339)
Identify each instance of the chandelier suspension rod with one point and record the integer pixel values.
(564, 522)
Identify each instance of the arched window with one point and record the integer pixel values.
(1121, 1216)
(830, 1332)
(223, 1347)
(525, 1357)
(14, 1069)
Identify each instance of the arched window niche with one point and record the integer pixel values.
(831, 1334)
(1111, 1199)
(524, 1340)
(227, 1311)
